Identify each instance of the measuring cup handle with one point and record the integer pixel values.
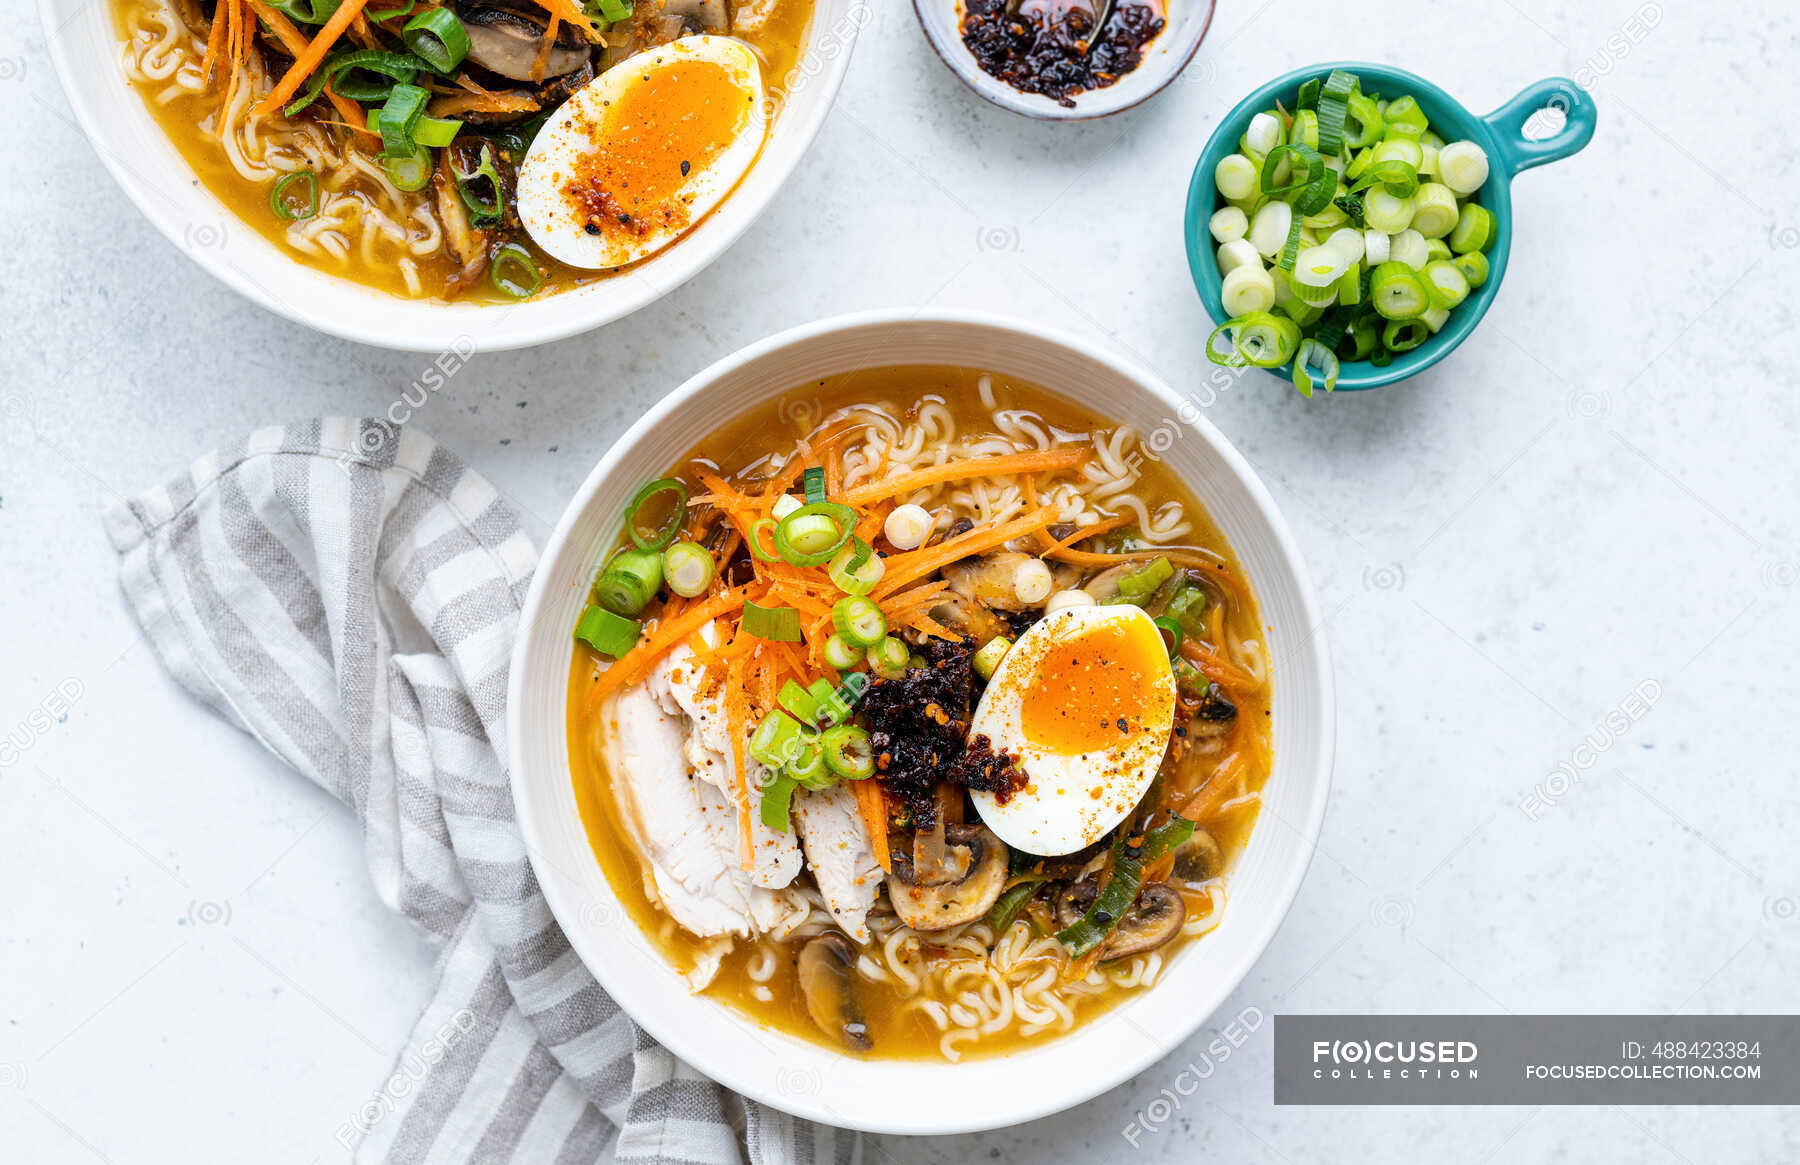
(1508, 124)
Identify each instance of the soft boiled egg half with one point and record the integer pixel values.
(1083, 703)
(643, 152)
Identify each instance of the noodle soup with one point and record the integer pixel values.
(436, 212)
(946, 798)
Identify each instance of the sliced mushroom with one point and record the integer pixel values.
(827, 971)
(702, 15)
(978, 860)
(988, 579)
(1154, 918)
(505, 41)
(1199, 859)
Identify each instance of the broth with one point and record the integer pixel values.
(758, 977)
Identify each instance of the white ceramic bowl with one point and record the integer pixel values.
(1163, 61)
(899, 1096)
(134, 148)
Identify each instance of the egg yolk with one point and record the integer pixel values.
(666, 125)
(1091, 692)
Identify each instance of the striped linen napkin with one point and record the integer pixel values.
(348, 594)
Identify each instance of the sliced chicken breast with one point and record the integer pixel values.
(841, 854)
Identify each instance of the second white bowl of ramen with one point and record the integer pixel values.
(921, 1096)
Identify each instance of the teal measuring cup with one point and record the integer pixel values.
(1500, 134)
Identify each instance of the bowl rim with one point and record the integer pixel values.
(1495, 196)
(338, 306)
(996, 92)
(1286, 882)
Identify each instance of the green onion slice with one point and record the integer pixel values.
(481, 189)
(438, 38)
(639, 510)
(1313, 353)
(848, 752)
(429, 131)
(1404, 335)
(1173, 633)
(809, 768)
(759, 530)
(1309, 194)
(813, 480)
(607, 633)
(1188, 608)
(1258, 339)
(858, 620)
(778, 623)
(1364, 124)
(813, 533)
(1397, 291)
(688, 569)
(1130, 855)
(890, 658)
(306, 11)
(1395, 175)
(856, 568)
(409, 171)
(290, 209)
(1012, 902)
(840, 654)
(405, 106)
(777, 740)
(513, 272)
(614, 11)
(1140, 584)
(777, 803)
(338, 72)
(629, 581)
(799, 702)
(1334, 106)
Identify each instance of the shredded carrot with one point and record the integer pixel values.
(667, 634)
(1042, 461)
(872, 521)
(457, 103)
(1217, 790)
(541, 62)
(215, 43)
(905, 568)
(872, 801)
(1217, 668)
(311, 57)
(926, 625)
(923, 593)
(355, 119)
(1087, 532)
(569, 11)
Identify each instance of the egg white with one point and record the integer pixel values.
(557, 223)
(1058, 812)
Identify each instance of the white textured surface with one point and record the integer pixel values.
(1598, 490)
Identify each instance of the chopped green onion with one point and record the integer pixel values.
(1190, 681)
(781, 624)
(513, 272)
(1474, 267)
(1012, 903)
(409, 171)
(809, 768)
(1434, 210)
(1235, 175)
(1258, 339)
(1463, 166)
(1401, 150)
(889, 658)
(777, 740)
(1270, 227)
(1387, 212)
(607, 633)
(1247, 289)
(1140, 584)
(291, 210)
(660, 535)
(405, 106)
(813, 479)
(840, 654)
(1405, 118)
(428, 131)
(1314, 353)
(629, 581)
(1404, 335)
(1131, 853)
(613, 11)
(1435, 317)
(856, 568)
(986, 660)
(485, 208)
(438, 38)
(1263, 135)
(832, 705)
(1349, 285)
(1228, 224)
(1188, 607)
(1363, 124)
(1474, 231)
(799, 702)
(1409, 247)
(1305, 129)
(1448, 285)
(338, 69)
(813, 533)
(1170, 628)
(688, 569)
(306, 11)
(756, 541)
(1397, 292)
(1436, 249)
(848, 752)
(858, 620)
(778, 803)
